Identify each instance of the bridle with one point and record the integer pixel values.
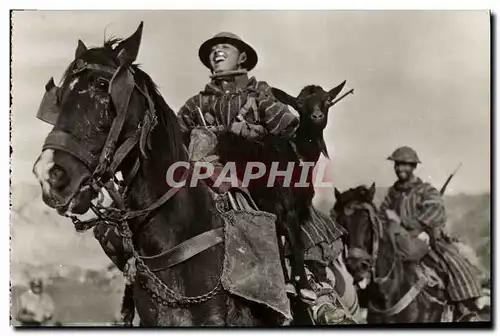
(378, 231)
(121, 87)
(105, 167)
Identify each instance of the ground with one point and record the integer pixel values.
(86, 291)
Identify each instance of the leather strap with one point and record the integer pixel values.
(405, 300)
(122, 151)
(185, 250)
(120, 89)
(159, 202)
(63, 141)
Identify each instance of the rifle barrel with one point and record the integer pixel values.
(342, 97)
(443, 188)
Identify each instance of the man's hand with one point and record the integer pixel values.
(248, 131)
(393, 216)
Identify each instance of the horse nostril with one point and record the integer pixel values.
(317, 116)
(58, 178)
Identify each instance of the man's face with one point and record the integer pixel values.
(404, 171)
(36, 288)
(226, 57)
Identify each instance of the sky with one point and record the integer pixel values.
(420, 78)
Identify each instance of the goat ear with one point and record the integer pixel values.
(371, 192)
(333, 93)
(80, 49)
(337, 194)
(127, 50)
(284, 97)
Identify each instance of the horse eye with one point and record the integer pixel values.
(102, 84)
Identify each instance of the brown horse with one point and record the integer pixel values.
(392, 290)
(112, 118)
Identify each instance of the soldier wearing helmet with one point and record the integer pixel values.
(243, 105)
(232, 100)
(36, 308)
(419, 208)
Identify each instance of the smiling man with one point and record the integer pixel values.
(419, 207)
(232, 100)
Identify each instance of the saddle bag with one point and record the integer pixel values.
(252, 267)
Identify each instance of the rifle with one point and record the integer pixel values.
(443, 188)
(341, 97)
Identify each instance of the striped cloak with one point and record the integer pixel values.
(421, 208)
(222, 100)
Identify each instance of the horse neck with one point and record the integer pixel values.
(175, 221)
(390, 273)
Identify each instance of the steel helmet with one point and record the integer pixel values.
(227, 37)
(404, 154)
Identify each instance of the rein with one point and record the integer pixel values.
(105, 166)
(378, 232)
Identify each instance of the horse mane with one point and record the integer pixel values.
(167, 120)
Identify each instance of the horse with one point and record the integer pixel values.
(289, 202)
(112, 118)
(393, 290)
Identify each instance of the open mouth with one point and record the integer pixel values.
(220, 57)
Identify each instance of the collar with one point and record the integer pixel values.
(408, 185)
(229, 81)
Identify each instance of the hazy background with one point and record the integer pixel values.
(421, 78)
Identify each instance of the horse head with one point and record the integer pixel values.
(99, 88)
(355, 211)
(313, 104)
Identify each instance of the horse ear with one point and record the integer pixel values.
(50, 84)
(80, 49)
(371, 192)
(284, 97)
(333, 93)
(337, 194)
(127, 50)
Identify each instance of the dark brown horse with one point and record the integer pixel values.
(290, 203)
(391, 289)
(92, 139)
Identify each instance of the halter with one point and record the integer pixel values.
(106, 165)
